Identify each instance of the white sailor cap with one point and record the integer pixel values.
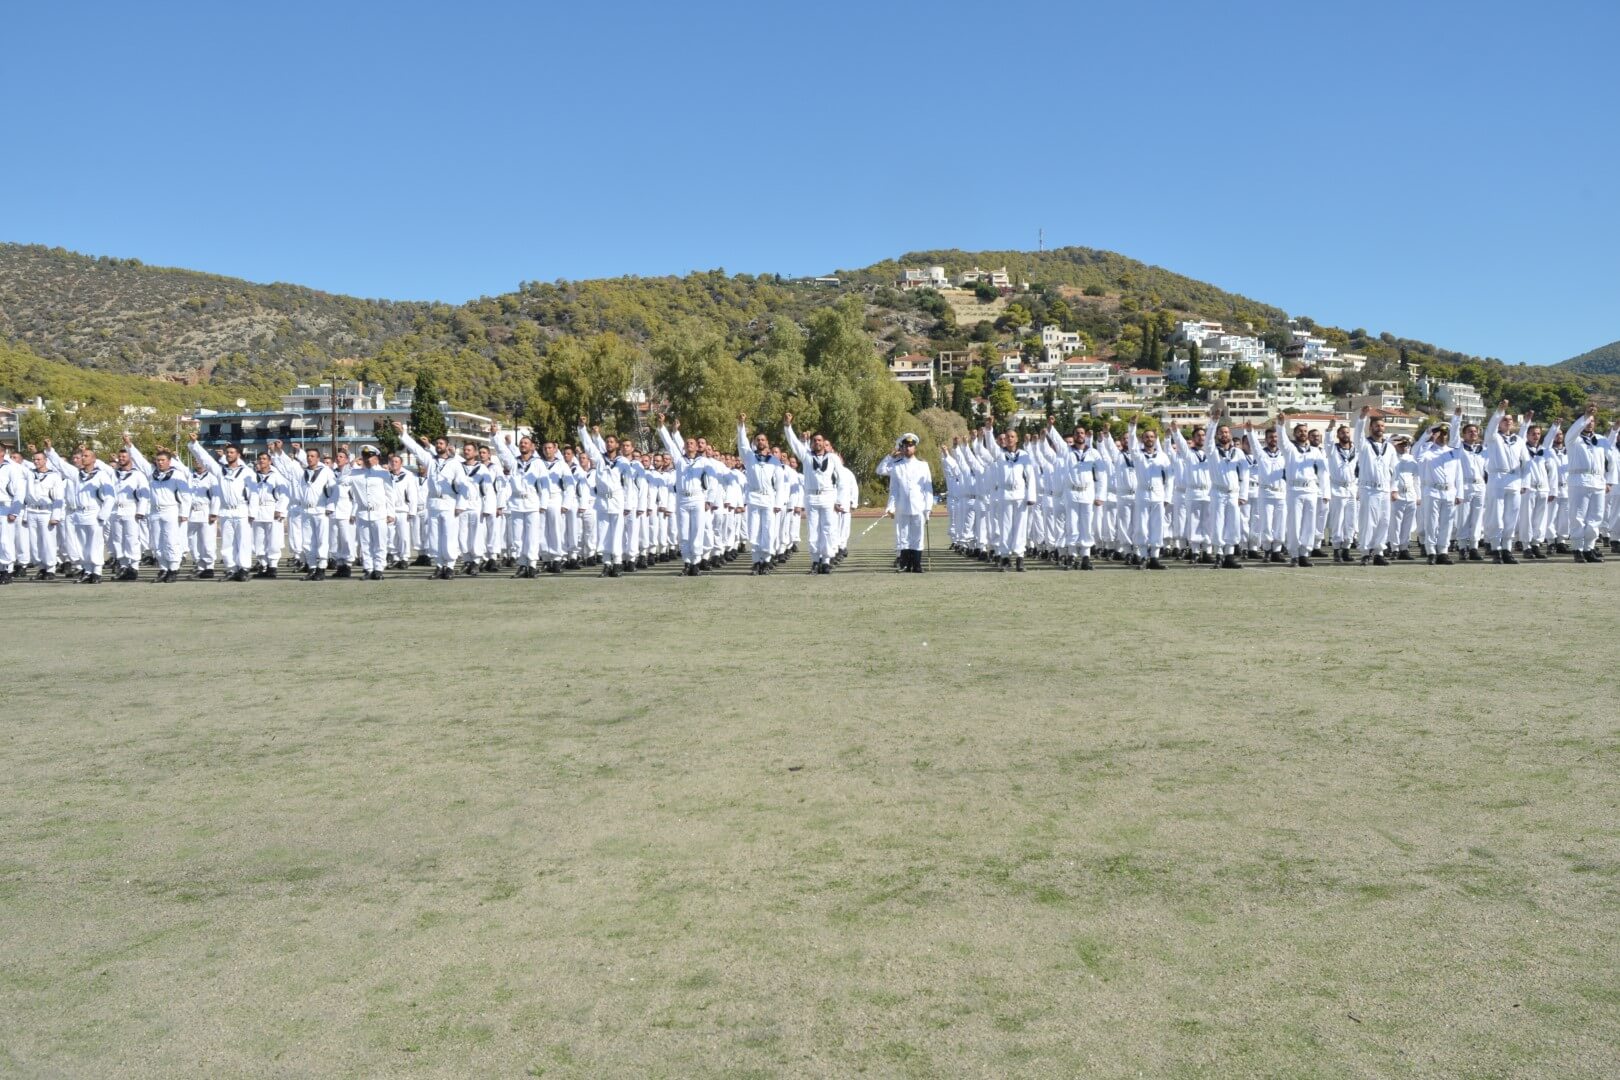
(908, 437)
(367, 449)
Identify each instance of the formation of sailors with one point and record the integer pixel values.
(529, 506)
(1214, 497)
(1223, 494)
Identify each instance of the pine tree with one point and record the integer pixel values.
(427, 422)
(1195, 370)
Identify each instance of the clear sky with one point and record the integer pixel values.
(1443, 171)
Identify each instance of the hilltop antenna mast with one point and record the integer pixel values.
(1040, 239)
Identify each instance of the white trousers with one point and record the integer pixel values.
(317, 540)
(235, 543)
(762, 532)
(823, 524)
(1226, 523)
(1501, 515)
(167, 541)
(1302, 506)
(908, 532)
(371, 537)
(1373, 525)
(443, 538)
(1013, 533)
(1439, 519)
(689, 527)
(42, 539)
(1148, 537)
(1585, 517)
(92, 542)
(202, 537)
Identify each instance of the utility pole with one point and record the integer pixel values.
(334, 415)
(1040, 239)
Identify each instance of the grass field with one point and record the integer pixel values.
(1277, 823)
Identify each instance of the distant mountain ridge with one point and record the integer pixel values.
(1603, 360)
(121, 317)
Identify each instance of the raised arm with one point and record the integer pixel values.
(208, 461)
(1178, 442)
(418, 451)
(503, 450)
(671, 447)
(285, 465)
(598, 456)
(1455, 428)
(54, 460)
(1285, 440)
(744, 451)
(800, 451)
(137, 458)
(1493, 426)
(1055, 441)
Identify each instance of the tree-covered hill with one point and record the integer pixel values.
(119, 315)
(1604, 360)
(548, 347)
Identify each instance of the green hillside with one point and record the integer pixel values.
(549, 347)
(1604, 360)
(121, 315)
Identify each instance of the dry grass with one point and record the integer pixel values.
(1105, 824)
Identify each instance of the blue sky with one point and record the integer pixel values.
(1449, 172)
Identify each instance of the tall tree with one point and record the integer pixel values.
(706, 386)
(1195, 369)
(851, 398)
(427, 422)
(583, 375)
(1003, 402)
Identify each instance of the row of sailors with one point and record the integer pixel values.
(538, 507)
(1221, 493)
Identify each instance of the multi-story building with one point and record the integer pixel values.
(1077, 375)
(1181, 414)
(933, 277)
(1145, 384)
(347, 412)
(1454, 395)
(1031, 387)
(1057, 345)
(1114, 403)
(1325, 422)
(1241, 406)
(1399, 421)
(998, 279)
(912, 369)
(1294, 392)
(954, 363)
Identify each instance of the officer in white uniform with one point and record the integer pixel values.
(911, 490)
(370, 492)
